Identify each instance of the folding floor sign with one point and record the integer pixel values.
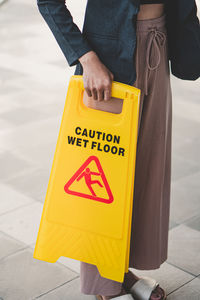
(88, 206)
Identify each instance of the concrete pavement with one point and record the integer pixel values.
(33, 83)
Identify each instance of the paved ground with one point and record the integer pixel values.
(33, 84)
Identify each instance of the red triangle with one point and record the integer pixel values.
(83, 172)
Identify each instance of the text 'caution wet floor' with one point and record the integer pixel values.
(92, 144)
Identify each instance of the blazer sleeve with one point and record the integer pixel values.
(67, 34)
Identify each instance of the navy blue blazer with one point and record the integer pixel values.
(183, 30)
(109, 29)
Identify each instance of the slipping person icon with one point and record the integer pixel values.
(88, 180)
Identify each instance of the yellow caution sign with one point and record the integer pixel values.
(88, 205)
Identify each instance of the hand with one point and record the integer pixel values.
(97, 79)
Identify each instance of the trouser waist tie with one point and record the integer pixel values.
(156, 39)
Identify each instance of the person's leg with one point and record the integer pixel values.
(154, 139)
(92, 283)
(151, 199)
(150, 216)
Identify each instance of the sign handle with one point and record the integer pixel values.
(118, 90)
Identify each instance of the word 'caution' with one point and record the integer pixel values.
(83, 136)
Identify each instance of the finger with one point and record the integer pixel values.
(107, 94)
(100, 94)
(94, 94)
(88, 91)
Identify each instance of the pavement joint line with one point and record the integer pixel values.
(16, 208)
(32, 249)
(184, 222)
(181, 286)
(13, 253)
(13, 238)
(55, 288)
(176, 225)
(22, 173)
(190, 227)
(25, 172)
(194, 217)
(19, 174)
(58, 262)
(31, 246)
(191, 219)
(194, 275)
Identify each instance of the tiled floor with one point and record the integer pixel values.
(33, 85)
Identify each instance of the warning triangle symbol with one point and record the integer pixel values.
(94, 183)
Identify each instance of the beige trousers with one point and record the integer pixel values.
(150, 217)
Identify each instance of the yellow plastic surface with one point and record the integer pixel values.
(88, 206)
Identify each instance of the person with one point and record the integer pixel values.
(150, 220)
(134, 50)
